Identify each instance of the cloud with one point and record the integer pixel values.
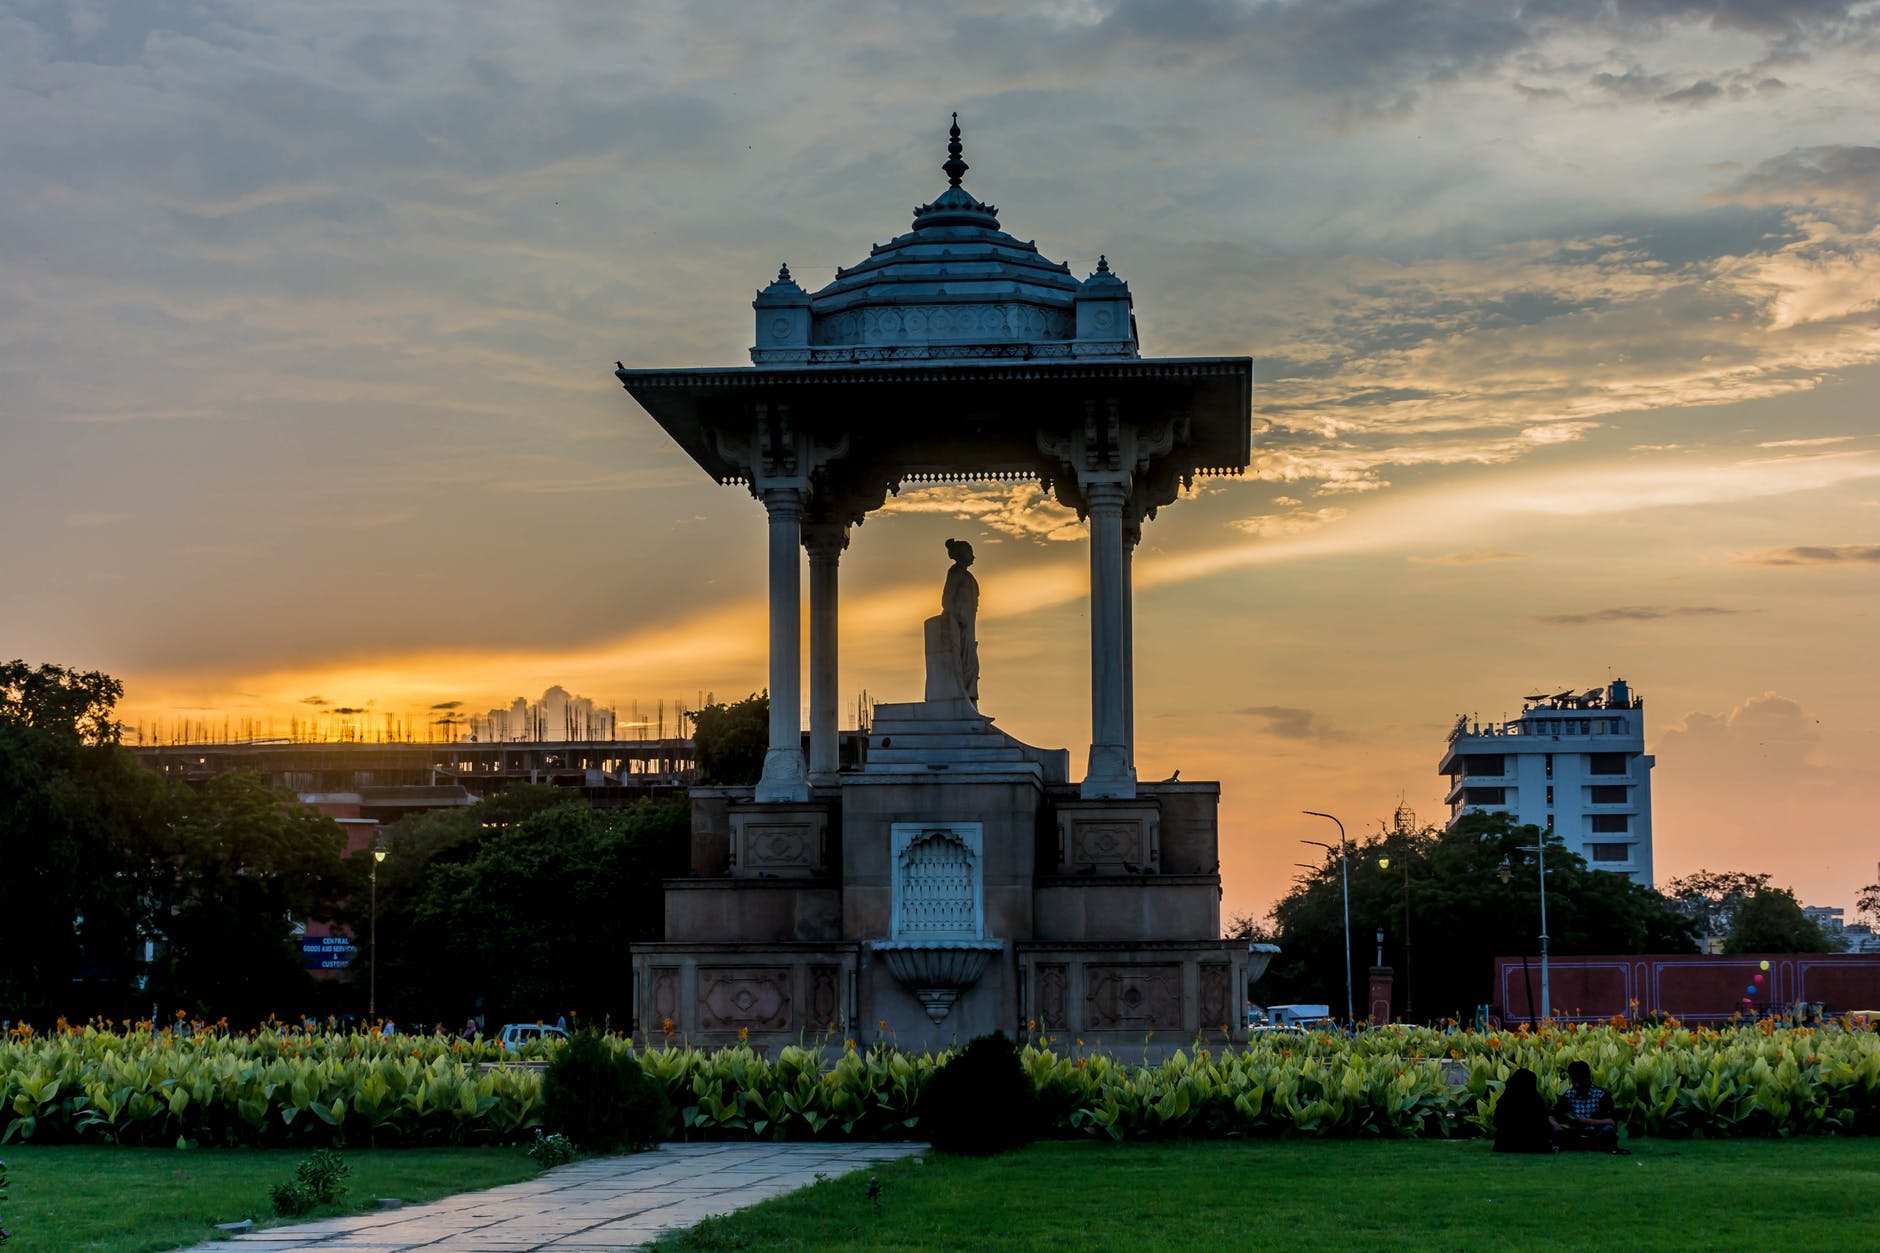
(1697, 93)
(314, 700)
(1766, 732)
(1021, 510)
(1468, 559)
(1279, 525)
(442, 705)
(1632, 613)
(1845, 175)
(1634, 84)
(1812, 555)
(1818, 442)
(1289, 723)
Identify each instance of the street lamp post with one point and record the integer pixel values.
(1409, 998)
(372, 951)
(1540, 860)
(1344, 873)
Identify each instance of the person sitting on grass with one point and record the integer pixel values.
(1521, 1121)
(1584, 1114)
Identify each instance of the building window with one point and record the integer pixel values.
(1611, 824)
(1484, 764)
(1609, 852)
(1608, 794)
(1550, 765)
(1550, 794)
(1485, 796)
(1607, 763)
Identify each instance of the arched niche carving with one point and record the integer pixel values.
(938, 881)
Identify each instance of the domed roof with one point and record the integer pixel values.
(954, 287)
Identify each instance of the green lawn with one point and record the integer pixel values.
(1335, 1195)
(136, 1200)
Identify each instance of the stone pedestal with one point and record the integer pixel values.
(956, 884)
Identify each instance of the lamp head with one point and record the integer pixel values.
(378, 854)
(1383, 863)
(1506, 872)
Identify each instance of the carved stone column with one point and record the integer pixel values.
(825, 542)
(1110, 774)
(1132, 536)
(784, 778)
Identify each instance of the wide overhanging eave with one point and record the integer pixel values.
(919, 402)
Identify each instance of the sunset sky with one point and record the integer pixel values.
(1565, 319)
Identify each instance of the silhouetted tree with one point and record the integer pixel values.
(238, 863)
(75, 809)
(1461, 915)
(729, 740)
(525, 903)
(1772, 921)
(1711, 898)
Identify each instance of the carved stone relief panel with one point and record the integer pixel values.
(1107, 843)
(1133, 997)
(1109, 838)
(756, 997)
(781, 846)
(1217, 1009)
(824, 1003)
(1053, 993)
(665, 993)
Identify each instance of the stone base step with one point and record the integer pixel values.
(907, 737)
(920, 755)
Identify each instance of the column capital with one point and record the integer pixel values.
(781, 500)
(825, 541)
(1106, 494)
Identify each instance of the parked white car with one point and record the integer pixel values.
(517, 1034)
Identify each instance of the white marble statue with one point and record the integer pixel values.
(953, 636)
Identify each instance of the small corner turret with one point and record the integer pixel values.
(783, 320)
(1106, 324)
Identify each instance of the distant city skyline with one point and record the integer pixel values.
(1565, 321)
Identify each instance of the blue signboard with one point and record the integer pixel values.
(327, 952)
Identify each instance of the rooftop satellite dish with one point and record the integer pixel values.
(1542, 696)
(1563, 695)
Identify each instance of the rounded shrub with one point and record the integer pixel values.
(981, 1101)
(598, 1096)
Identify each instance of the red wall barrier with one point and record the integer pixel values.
(1695, 987)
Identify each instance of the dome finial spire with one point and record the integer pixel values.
(954, 167)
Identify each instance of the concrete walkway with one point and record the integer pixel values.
(602, 1203)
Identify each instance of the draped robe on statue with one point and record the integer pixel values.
(953, 639)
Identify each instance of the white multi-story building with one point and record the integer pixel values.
(1574, 764)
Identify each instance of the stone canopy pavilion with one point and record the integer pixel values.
(957, 881)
